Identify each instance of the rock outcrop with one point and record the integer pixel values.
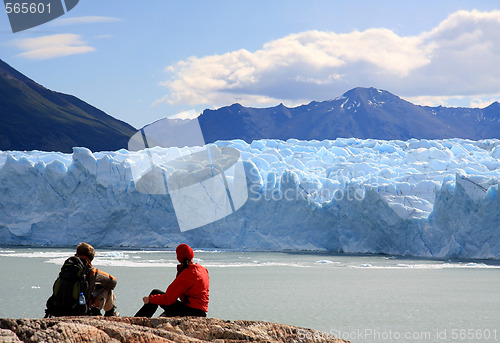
(130, 329)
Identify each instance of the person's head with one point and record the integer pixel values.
(184, 253)
(87, 250)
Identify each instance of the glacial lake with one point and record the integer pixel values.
(359, 298)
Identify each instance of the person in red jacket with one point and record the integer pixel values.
(187, 295)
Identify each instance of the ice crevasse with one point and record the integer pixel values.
(432, 198)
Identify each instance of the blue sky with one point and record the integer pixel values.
(143, 61)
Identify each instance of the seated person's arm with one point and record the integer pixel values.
(105, 280)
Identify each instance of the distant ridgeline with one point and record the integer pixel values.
(33, 117)
(360, 113)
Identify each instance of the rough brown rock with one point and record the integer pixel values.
(130, 330)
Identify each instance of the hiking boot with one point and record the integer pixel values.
(112, 313)
(94, 311)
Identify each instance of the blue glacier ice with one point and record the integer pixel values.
(431, 198)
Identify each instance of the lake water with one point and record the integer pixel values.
(359, 298)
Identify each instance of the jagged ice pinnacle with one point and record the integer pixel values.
(434, 198)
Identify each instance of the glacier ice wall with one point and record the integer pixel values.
(434, 198)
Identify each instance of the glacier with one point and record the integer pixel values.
(428, 198)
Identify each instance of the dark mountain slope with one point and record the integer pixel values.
(33, 117)
(360, 113)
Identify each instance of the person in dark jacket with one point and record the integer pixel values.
(187, 295)
(101, 284)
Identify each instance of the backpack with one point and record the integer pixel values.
(73, 280)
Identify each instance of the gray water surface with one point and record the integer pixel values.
(359, 298)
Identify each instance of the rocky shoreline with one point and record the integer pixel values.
(130, 330)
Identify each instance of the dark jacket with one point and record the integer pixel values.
(99, 280)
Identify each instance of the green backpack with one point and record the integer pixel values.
(73, 280)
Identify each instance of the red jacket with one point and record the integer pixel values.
(191, 287)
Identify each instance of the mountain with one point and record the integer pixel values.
(360, 112)
(33, 117)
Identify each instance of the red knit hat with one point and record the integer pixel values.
(184, 251)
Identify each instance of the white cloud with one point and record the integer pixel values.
(458, 58)
(465, 56)
(485, 101)
(84, 20)
(189, 114)
(60, 45)
(47, 47)
(481, 101)
(425, 100)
